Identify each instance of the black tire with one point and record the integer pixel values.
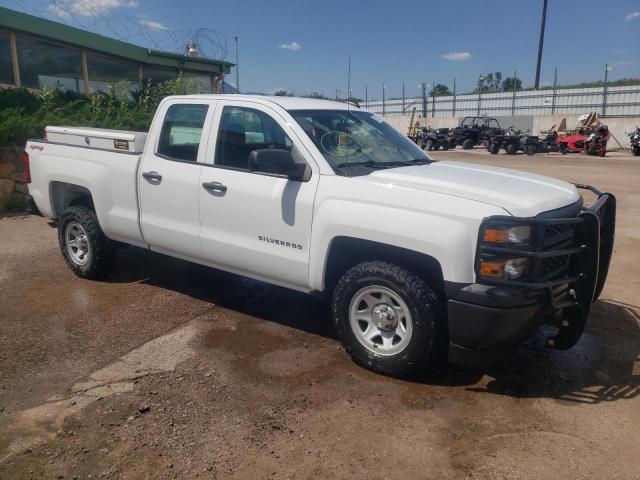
(494, 148)
(563, 149)
(511, 149)
(445, 146)
(530, 149)
(429, 145)
(427, 345)
(436, 146)
(636, 151)
(468, 144)
(101, 249)
(452, 145)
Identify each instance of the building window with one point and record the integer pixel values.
(105, 71)
(44, 64)
(157, 75)
(6, 65)
(202, 79)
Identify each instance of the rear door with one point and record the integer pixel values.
(254, 223)
(169, 175)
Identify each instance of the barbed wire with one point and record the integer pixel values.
(107, 18)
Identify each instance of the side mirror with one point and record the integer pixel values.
(276, 161)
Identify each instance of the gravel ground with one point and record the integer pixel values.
(170, 370)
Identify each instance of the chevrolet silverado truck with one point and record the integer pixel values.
(417, 258)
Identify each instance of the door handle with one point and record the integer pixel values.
(215, 187)
(154, 176)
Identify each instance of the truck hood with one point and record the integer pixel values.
(522, 194)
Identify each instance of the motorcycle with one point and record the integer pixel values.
(590, 140)
(634, 141)
(596, 143)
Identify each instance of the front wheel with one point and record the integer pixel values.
(468, 144)
(84, 246)
(494, 148)
(636, 151)
(388, 319)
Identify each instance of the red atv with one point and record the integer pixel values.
(589, 140)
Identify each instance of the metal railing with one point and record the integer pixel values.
(610, 101)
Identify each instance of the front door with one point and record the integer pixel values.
(253, 223)
(169, 181)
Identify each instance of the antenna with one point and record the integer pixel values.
(346, 149)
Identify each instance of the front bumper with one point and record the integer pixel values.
(491, 314)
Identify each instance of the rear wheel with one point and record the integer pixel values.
(84, 246)
(467, 144)
(636, 151)
(530, 149)
(511, 149)
(388, 319)
(445, 146)
(494, 148)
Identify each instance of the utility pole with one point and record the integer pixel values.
(433, 99)
(237, 67)
(424, 100)
(536, 85)
(366, 97)
(403, 97)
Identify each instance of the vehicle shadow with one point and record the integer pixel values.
(604, 366)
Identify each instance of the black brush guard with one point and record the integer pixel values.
(583, 262)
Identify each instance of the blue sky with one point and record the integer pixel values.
(304, 45)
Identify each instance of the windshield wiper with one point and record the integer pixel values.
(376, 165)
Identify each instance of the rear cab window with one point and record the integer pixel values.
(181, 132)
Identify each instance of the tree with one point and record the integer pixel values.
(510, 82)
(315, 95)
(488, 82)
(281, 92)
(439, 90)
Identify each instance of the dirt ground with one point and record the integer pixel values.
(170, 370)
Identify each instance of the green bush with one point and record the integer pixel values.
(25, 115)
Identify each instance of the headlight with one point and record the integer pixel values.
(503, 269)
(520, 235)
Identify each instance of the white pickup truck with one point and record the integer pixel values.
(418, 258)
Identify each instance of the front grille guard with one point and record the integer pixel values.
(589, 257)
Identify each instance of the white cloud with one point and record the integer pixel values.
(457, 56)
(632, 16)
(153, 25)
(58, 11)
(88, 8)
(290, 46)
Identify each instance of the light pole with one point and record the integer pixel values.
(454, 97)
(481, 79)
(607, 69)
(424, 98)
(540, 44)
(384, 110)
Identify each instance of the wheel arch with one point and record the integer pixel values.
(64, 195)
(344, 252)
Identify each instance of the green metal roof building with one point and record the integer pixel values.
(35, 52)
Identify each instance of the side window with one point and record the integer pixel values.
(181, 132)
(243, 130)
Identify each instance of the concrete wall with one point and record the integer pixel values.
(618, 126)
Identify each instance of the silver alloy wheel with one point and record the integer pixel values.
(380, 320)
(77, 243)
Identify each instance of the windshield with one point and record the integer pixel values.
(349, 139)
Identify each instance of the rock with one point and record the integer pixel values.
(144, 408)
(6, 189)
(6, 169)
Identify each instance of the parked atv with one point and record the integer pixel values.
(549, 142)
(476, 131)
(634, 141)
(591, 140)
(434, 139)
(514, 141)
